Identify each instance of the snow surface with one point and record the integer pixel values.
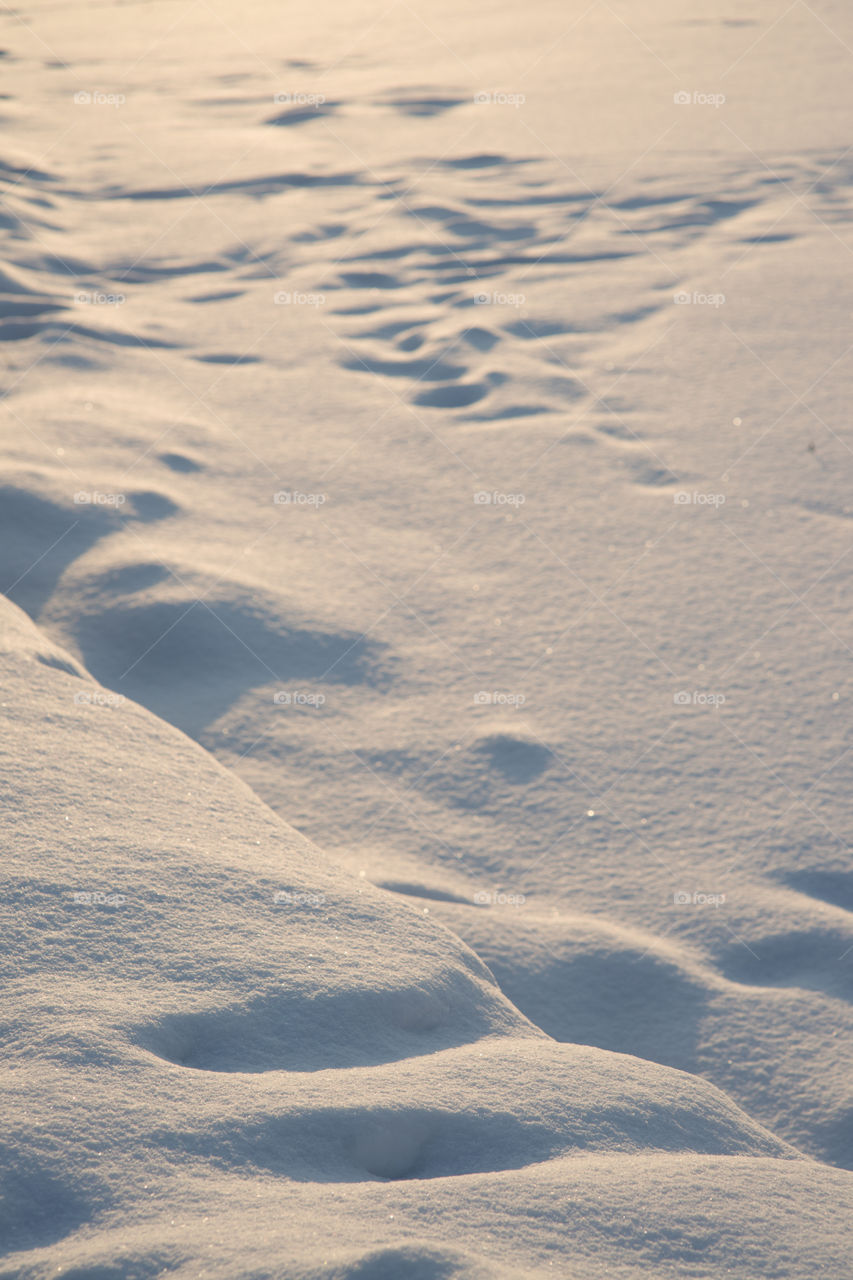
(425, 650)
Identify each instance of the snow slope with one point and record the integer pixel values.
(201, 1008)
(427, 431)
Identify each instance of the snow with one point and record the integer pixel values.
(425, 533)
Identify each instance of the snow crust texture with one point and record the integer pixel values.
(424, 641)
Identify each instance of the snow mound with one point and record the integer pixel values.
(298, 1026)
